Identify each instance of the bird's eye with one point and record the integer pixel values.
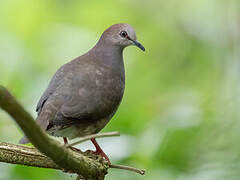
(123, 34)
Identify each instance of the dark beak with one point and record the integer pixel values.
(136, 43)
(139, 45)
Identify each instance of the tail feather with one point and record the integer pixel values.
(42, 121)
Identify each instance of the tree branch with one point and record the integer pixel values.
(24, 155)
(139, 171)
(86, 138)
(62, 156)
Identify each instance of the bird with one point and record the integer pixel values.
(85, 93)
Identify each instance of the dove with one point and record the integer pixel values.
(85, 93)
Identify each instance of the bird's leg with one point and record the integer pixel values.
(99, 150)
(72, 148)
(65, 141)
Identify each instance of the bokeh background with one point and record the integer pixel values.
(179, 118)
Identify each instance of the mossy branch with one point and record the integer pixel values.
(24, 155)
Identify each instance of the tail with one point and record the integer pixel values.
(42, 121)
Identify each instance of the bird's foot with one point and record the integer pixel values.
(99, 152)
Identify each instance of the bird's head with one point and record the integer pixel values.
(121, 35)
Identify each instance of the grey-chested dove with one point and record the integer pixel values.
(85, 93)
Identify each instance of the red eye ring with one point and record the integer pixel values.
(123, 34)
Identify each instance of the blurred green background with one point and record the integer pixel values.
(179, 118)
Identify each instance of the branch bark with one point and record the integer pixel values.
(24, 155)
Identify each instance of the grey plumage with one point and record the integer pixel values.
(85, 93)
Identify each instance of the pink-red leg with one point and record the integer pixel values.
(99, 150)
(65, 140)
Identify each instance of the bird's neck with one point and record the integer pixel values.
(108, 55)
